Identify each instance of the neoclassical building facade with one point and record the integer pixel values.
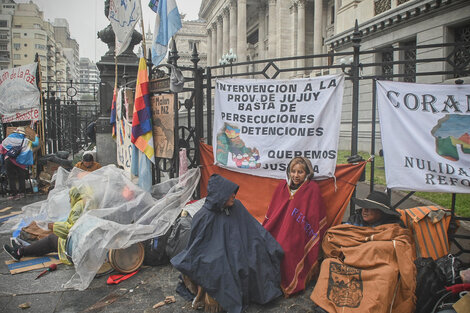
(263, 29)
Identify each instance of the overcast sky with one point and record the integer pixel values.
(86, 18)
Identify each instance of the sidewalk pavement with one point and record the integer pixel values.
(136, 294)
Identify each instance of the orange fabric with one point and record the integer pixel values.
(429, 225)
(367, 269)
(92, 168)
(256, 192)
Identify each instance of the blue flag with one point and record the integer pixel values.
(167, 23)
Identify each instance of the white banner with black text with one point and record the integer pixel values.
(260, 125)
(425, 136)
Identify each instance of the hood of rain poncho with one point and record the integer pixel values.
(219, 190)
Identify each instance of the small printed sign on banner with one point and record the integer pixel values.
(163, 120)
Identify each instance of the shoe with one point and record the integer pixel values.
(13, 253)
(14, 243)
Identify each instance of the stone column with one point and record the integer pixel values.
(317, 31)
(226, 34)
(293, 12)
(214, 44)
(301, 35)
(233, 26)
(241, 33)
(219, 39)
(209, 47)
(261, 30)
(272, 29)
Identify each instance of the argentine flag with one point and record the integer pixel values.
(167, 23)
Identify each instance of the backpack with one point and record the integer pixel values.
(15, 151)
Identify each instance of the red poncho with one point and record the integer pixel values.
(298, 223)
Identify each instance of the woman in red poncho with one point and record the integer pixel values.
(296, 218)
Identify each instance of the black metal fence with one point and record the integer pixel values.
(68, 109)
(407, 62)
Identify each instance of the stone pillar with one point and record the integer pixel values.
(261, 30)
(214, 45)
(128, 62)
(272, 29)
(318, 31)
(209, 47)
(219, 39)
(233, 26)
(241, 33)
(226, 34)
(293, 12)
(301, 35)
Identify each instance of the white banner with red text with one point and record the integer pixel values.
(260, 125)
(18, 90)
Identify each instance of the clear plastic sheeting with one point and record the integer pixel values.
(55, 208)
(118, 214)
(125, 215)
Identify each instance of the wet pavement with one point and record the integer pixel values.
(136, 294)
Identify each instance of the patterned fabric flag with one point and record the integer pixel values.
(142, 136)
(123, 16)
(153, 4)
(112, 119)
(167, 23)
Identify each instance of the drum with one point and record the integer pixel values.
(127, 260)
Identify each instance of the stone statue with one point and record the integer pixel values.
(107, 36)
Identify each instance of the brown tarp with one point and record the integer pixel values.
(256, 192)
(367, 269)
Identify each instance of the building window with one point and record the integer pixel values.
(192, 43)
(3, 47)
(332, 21)
(25, 44)
(16, 35)
(40, 47)
(17, 57)
(253, 37)
(387, 64)
(401, 1)
(25, 55)
(3, 23)
(410, 56)
(381, 6)
(17, 46)
(462, 35)
(39, 36)
(25, 34)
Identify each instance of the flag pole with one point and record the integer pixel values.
(41, 101)
(144, 46)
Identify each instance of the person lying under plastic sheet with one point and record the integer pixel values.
(368, 268)
(81, 199)
(125, 214)
(229, 254)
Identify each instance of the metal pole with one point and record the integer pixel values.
(356, 39)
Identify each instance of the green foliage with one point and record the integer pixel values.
(462, 203)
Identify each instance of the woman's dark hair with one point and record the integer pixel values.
(88, 157)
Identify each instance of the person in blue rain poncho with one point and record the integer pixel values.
(229, 254)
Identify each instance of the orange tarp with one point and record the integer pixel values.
(255, 192)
